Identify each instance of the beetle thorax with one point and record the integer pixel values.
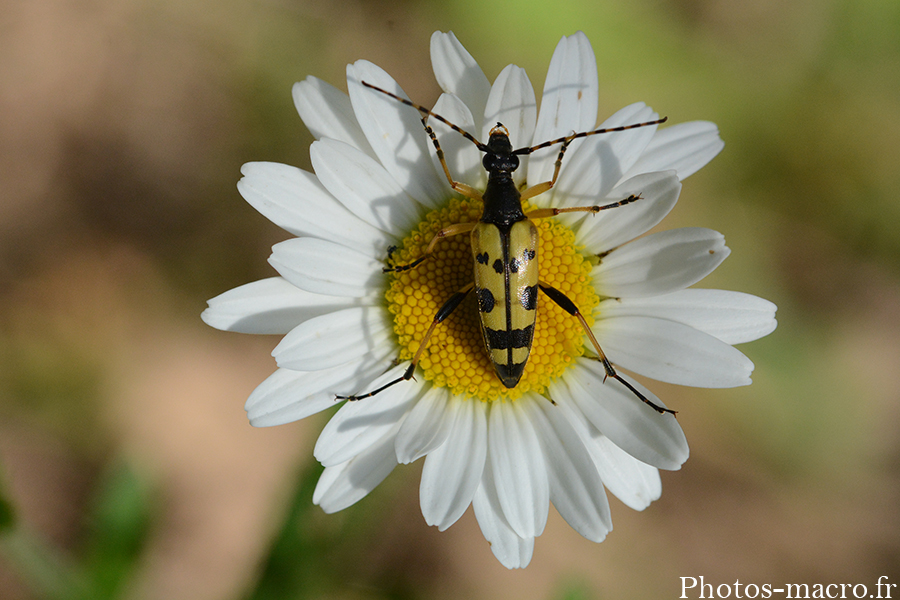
(499, 161)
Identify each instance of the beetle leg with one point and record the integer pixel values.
(455, 229)
(445, 311)
(542, 213)
(540, 188)
(567, 305)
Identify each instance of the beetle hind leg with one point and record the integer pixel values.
(567, 305)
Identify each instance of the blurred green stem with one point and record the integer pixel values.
(42, 569)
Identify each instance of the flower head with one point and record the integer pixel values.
(566, 431)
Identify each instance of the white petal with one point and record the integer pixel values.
(325, 267)
(576, 489)
(288, 396)
(520, 473)
(649, 436)
(685, 147)
(512, 103)
(513, 551)
(345, 484)
(672, 352)
(335, 338)
(453, 471)
(295, 201)
(457, 73)
(568, 104)
(395, 133)
(426, 426)
(281, 388)
(359, 424)
(462, 156)
(364, 186)
(327, 113)
(635, 483)
(628, 145)
(660, 263)
(610, 228)
(733, 317)
(267, 306)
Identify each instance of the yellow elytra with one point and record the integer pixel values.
(506, 287)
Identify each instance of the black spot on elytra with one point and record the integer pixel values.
(498, 266)
(514, 265)
(529, 254)
(501, 339)
(482, 258)
(529, 297)
(485, 300)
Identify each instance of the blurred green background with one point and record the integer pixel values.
(127, 467)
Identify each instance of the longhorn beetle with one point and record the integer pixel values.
(504, 247)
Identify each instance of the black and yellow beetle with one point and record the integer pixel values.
(504, 247)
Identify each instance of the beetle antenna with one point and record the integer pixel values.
(428, 113)
(569, 138)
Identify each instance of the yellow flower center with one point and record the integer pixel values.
(456, 356)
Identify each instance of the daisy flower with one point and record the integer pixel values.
(565, 433)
